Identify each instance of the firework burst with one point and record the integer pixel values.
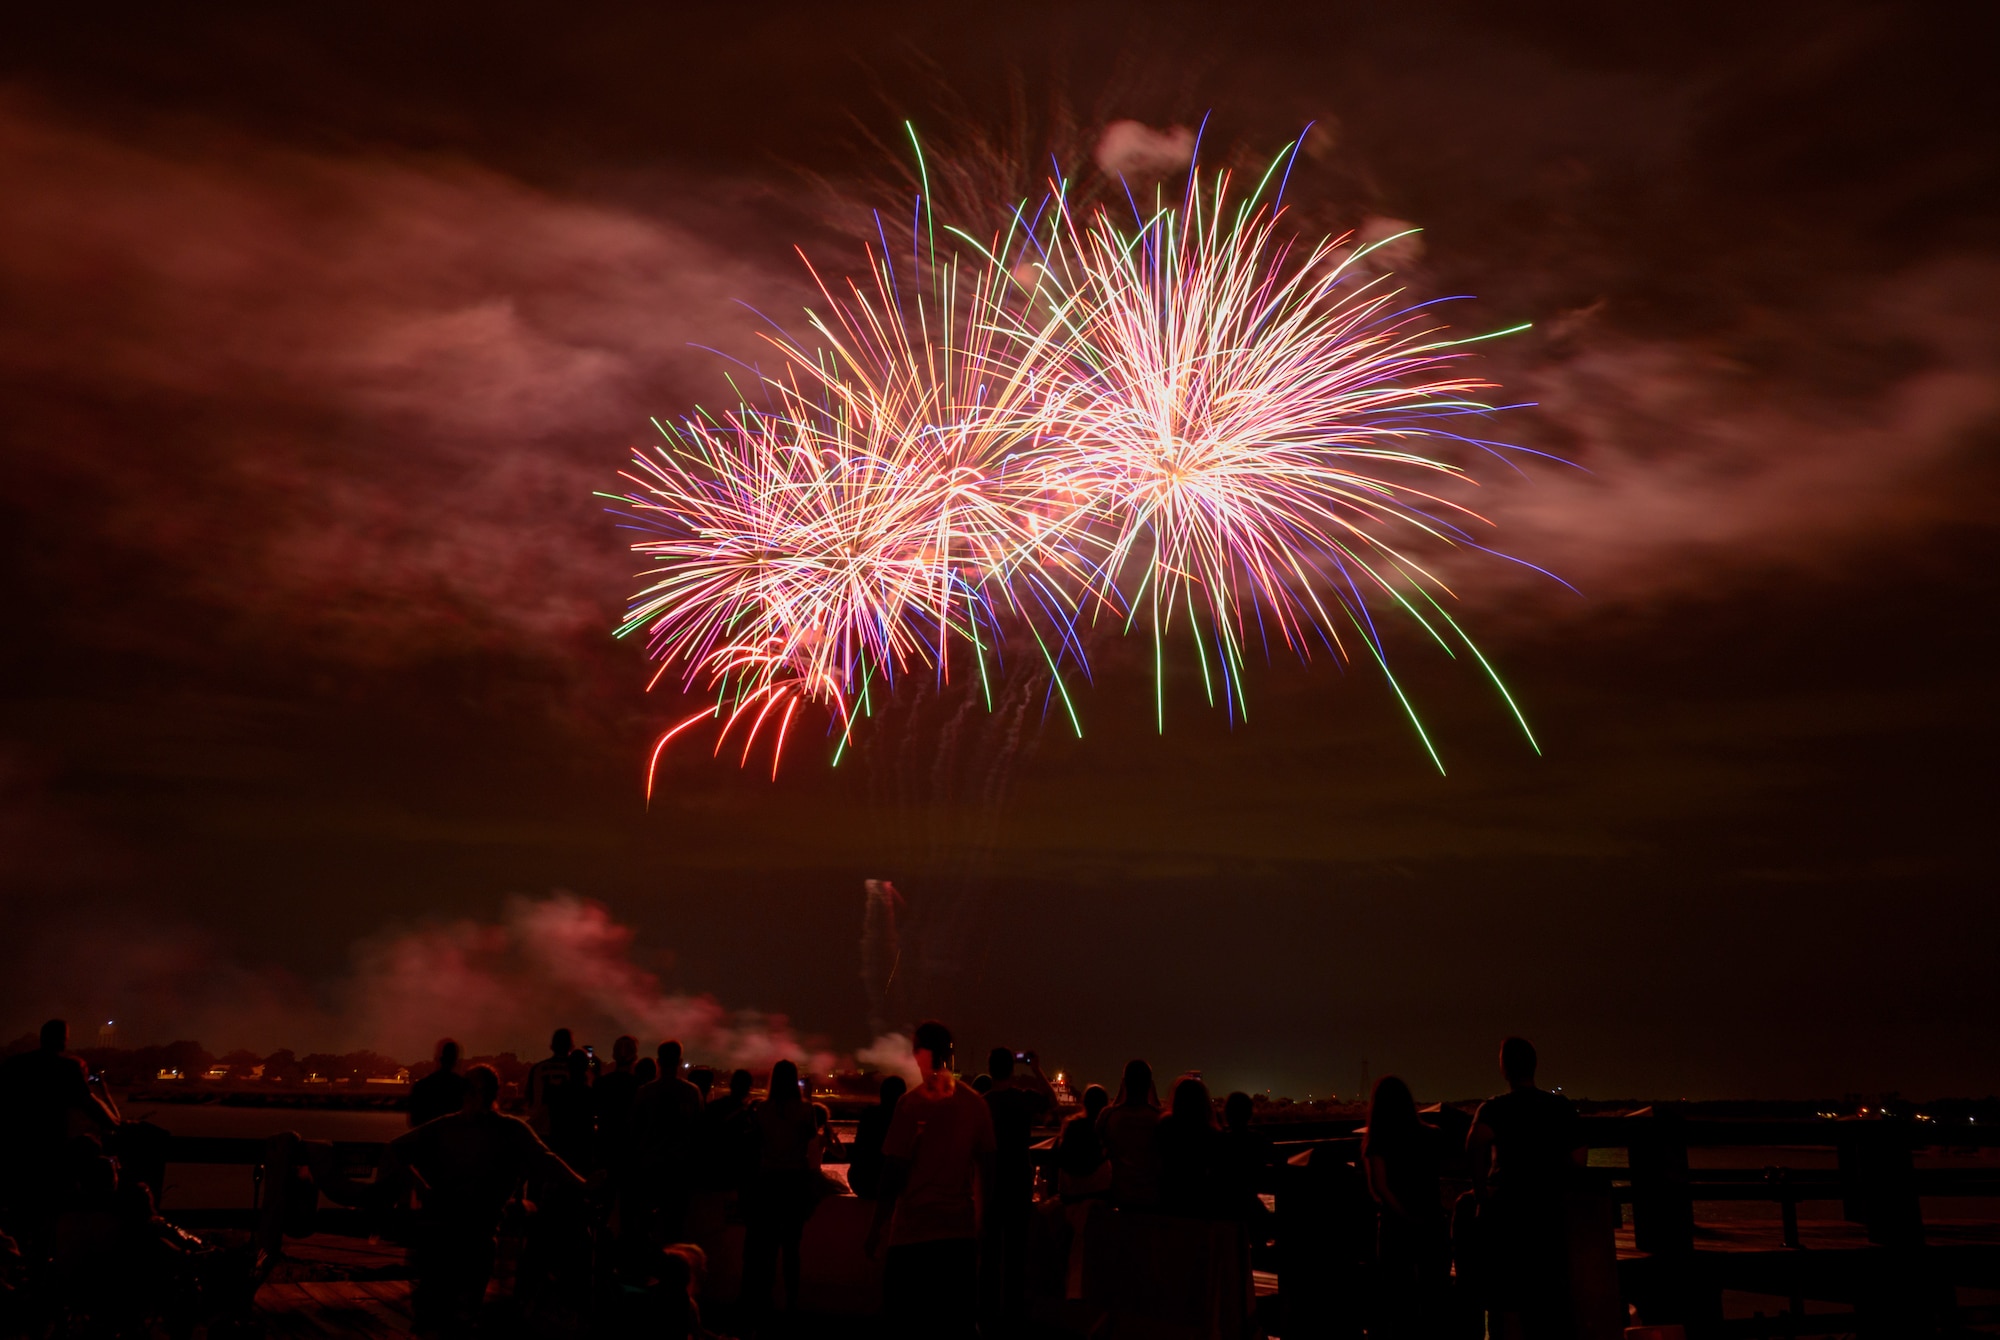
(887, 506)
(1253, 420)
(1188, 418)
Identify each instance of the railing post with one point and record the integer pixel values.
(1662, 1203)
(1879, 1183)
(1780, 1182)
(1663, 1222)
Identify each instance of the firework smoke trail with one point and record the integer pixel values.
(882, 956)
(1249, 418)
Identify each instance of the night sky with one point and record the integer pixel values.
(321, 329)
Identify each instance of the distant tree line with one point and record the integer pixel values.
(139, 1065)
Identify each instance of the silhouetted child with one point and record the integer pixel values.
(683, 1266)
(864, 1166)
(1082, 1170)
(1413, 1243)
(1190, 1152)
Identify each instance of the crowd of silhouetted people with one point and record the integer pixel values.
(595, 1197)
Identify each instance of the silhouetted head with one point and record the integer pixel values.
(739, 1084)
(676, 1275)
(784, 1084)
(578, 1062)
(560, 1042)
(1517, 1061)
(894, 1087)
(1136, 1089)
(1191, 1101)
(932, 1045)
(982, 1084)
(703, 1079)
(683, 1265)
(55, 1035)
(447, 1054)
(670, 1058)
(1392, 1113)
(625, 1051)
(1000, 1063)
(1236, 1110)
(646, 1071)
(482, 1086)
(1095, 1100)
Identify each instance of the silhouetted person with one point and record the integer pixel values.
(1190, 1152)
(780, 1195)
(41, 1093)
(703, 1080)
(681, 1268)
(646, 1071)
(1413, 1236)
(467, 1165)
(669, 1129)
(826, 1140)
(127, 1270)
(545, 1077)
(864, 1165)
(440, 1093)
(1018, 1102)
(1247, 1155)
(617, 1091)
(1083, 1170)
(1524, 1148)
(572, 1109)
(726, 1136)
(938, 1150)
(615, 1096)
(1126, 1128)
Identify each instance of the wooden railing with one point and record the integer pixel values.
(1895, 1282)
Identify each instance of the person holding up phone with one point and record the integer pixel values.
(1020, 1101)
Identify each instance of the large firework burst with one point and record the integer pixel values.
(1254, 419)
(1184, 416)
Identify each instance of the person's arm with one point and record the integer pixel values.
(401, 1171)
(895, 1173)
(984, 1143)
(541, 1161)
(1036, 1082)
(1479, 1153)
(1379, 1187)
(101, 1107)
(82, 1096)
(899, 1148)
